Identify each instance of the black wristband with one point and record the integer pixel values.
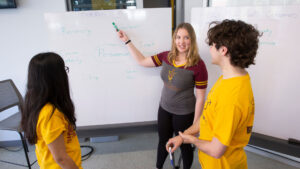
(127, 42)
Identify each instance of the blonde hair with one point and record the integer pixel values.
(193, 56)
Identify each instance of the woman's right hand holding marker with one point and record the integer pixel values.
(122, 35)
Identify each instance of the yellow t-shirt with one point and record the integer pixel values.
(228, 115)
(49, 127)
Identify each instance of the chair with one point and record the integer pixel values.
(10, 97)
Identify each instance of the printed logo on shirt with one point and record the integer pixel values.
(70, 133)
(171, 74)
(207, 103)
(252, 103)
(249, 129)
(208, 100)
(203, 120)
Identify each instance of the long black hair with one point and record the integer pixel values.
(47, 83)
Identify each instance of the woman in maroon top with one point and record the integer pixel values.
(182, 71)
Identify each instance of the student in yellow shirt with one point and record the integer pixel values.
(48, 118)
(225, 126)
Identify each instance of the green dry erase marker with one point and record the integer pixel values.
(115, 26)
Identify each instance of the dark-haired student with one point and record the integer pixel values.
(48, 118)
(184, 74)
(225, 125)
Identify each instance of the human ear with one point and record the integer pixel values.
(223, 50)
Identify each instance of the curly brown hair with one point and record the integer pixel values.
(240, 39)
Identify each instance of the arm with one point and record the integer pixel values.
(200, 98)
(138, 56)
(175, 142)
(58, 151)
(213, 148)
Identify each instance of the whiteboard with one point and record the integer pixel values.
(107, 85)
(275, 77)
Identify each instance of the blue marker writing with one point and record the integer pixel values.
(171, 156)
(115, 26)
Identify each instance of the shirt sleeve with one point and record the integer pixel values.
(226, 122)
(201, 76)
(158, 59)
(53, 127)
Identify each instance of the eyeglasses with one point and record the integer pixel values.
(67, 69)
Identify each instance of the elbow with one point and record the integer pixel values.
(141, 63)
(60, 160)
(216, 154)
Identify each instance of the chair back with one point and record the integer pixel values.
(9, 95)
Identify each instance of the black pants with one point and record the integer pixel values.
(168, 124)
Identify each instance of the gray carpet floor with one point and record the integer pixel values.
(134, 151)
